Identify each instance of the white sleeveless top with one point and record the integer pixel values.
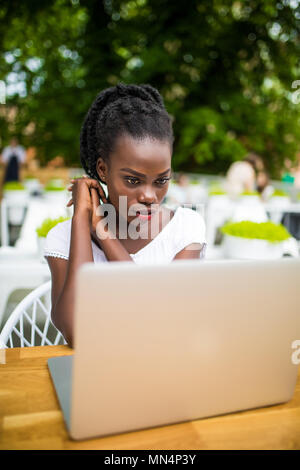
(186, 226)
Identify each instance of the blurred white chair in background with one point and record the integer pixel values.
(218, 210)
(20, 266)
(249, 208)
(30, 323)
(21, 273)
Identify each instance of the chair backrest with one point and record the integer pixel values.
(30, 322)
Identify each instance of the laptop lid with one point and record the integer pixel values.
(161, 344)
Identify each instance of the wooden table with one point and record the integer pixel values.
(30, 416)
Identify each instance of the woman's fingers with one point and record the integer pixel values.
(96, 185)
(79, 178)
(102, 193)
(95, 198)
(96, 195)
(69, 203)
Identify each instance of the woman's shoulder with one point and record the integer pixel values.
(189, 226)
(58, 240)
(182, 217)
(62, 229)
(187, 214)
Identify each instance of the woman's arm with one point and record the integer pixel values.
(63, 274)
(85, 198)
(192, 251)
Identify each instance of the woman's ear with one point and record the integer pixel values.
(101, 168)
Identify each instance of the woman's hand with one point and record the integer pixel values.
(86, 195)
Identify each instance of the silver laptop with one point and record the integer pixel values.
(156, 345)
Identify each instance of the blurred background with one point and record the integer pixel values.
(229, 75)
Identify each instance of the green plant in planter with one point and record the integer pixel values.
(217, 192)
(280, 193)
(250, 193)
(215, 189)
(52, 185)
(48, 224)
(273, 233)
(13, 186)
(53, 189)
(30, 177)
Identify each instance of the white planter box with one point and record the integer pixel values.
(219, 200)
(249, 199)
(41, 243)
(32, 185)
(16, 203)
(279, 201)
(57, 197)
(248, 248)
(277, 205)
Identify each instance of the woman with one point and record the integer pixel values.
(126, 144)
(13, 155)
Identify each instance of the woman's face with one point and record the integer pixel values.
(139, 170)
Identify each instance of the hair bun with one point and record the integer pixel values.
(144, 92)
(121, 89)
(155, 95)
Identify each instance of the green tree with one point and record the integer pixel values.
(225, 70)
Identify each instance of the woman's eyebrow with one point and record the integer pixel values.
(141, 174)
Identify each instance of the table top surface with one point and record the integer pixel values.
(30, 416)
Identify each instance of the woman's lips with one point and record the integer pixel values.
(145, 216)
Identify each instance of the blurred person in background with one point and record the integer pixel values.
(13, 156)
(288, 175)
(297, 174)
(242, 175)
(263, 185)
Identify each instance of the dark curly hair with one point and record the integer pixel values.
(135, 110)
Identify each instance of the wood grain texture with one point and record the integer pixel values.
(30, 417)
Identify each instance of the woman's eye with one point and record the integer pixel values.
(135, 181)
(163, 181)
(132, 181)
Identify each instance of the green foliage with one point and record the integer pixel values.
(13, 186)
(250, 193)
(204, 139)
(269, 231)
(225, 70)
(280, 193)
(30, 178)
(54, 185)
(216, 192)
(53, 188)
(215, 189)
(48, 224)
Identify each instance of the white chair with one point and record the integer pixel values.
(30, 323)
(218, 210)
(17, 272)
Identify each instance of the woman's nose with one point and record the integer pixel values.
(147, 196)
